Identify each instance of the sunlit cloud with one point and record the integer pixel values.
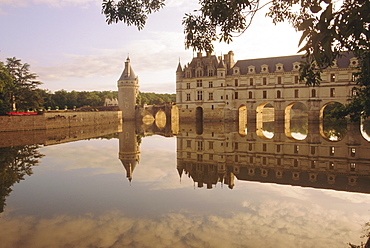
(271, 224)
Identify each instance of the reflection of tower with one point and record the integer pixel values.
(128, 88)
(129, 152)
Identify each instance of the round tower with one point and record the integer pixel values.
(129, 151)
(128, 88)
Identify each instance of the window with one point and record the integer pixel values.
(278, 147)
(188, 85)
(331, 151)
(210, 96)
(199, 95)
(188, 97)
(210, 73)
(278, 161)
(296, 148)
(278, 94)
(332, 77)
(236, 95)
(188, 155)
(222, 85)
(210, 156)
(313, 150)
(353, 166)
(199, 157)
(313, 93)
(313, 164)
(227, 97)
(210, 144)
(251, 81)
(296, 81)
(296, 93)
(200, 145)
(199, 73)
(250, 146)
(250, 95)
(210, 84)
(199, 83)
(188, 143)
(264, 147)
(332, 92)
(236, 82)
(264, 160)
(188, 74)
(295, 162)
(236, 146)
(353, 152)
(279, 80)
(264, 80)
(264, 94)
(331, 166)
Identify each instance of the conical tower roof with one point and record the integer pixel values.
(128, 73)
(179, 68)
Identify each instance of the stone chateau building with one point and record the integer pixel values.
(212, 88)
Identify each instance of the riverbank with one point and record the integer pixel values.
(58, 119)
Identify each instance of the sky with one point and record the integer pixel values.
(69, 45)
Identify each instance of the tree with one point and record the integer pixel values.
(23, 82)
(327, 31)
(5, 83)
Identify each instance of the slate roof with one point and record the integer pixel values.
(287, 61)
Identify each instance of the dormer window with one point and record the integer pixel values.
(251, 69)
(296, 66)
(236, 70)
(264, 68)
(279, 67)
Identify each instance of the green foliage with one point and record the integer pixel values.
(18, 86)
(131, 12)
(154, 98)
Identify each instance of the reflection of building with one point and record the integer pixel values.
(219, 153)
(218, 88)
(129, 152)
(130, 139)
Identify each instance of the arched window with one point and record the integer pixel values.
(278, 94)
(250, 95)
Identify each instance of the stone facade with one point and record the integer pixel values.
(214, 88)
(59, 119)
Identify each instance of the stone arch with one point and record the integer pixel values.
(242, 120)
(160, 119)
(331, 129)
(296, 121)
(265, 114)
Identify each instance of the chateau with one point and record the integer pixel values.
(216, 88)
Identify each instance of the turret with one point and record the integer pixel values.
(129, 152)
(128, 88)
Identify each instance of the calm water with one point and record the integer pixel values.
(127, 190)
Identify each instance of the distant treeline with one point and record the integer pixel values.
(77, 99)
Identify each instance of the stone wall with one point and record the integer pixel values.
(60, 119)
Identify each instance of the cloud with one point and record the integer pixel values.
(270, 224)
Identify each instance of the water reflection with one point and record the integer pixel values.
(16, 163)
(68, 204)
(219, 155)
(332, 128)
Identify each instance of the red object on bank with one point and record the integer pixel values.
(22, 113)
